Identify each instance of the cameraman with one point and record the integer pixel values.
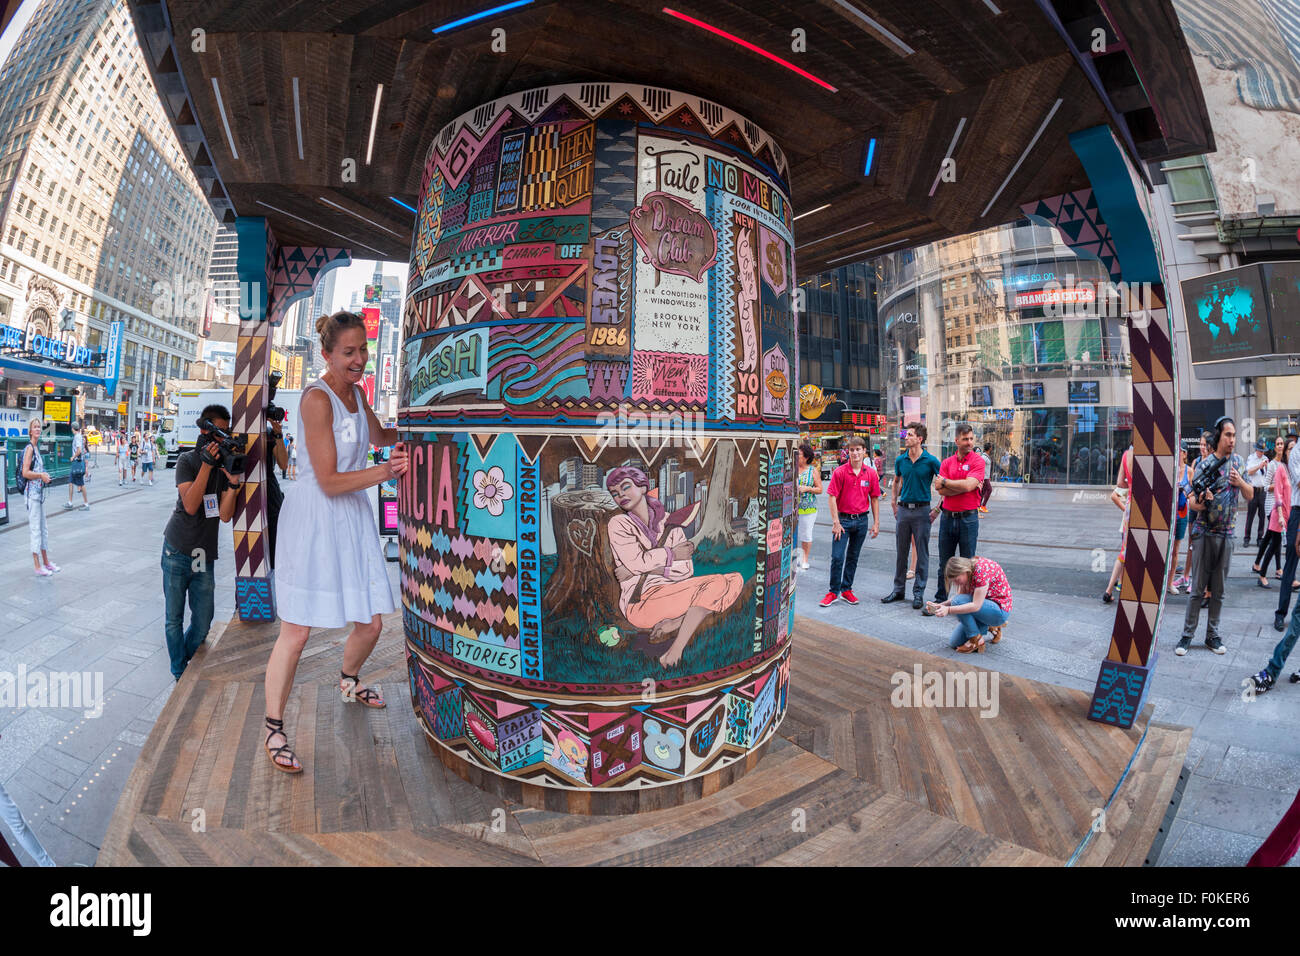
(206, 497)
(274, 495)
(1214, 516)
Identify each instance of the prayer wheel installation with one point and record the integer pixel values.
(598, 393)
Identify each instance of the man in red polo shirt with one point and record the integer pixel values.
(960, 479)
(854, 490)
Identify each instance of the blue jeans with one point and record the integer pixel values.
(844, 566)
(967, 626)
(179, 580)
(955, 534)
(1283, 649)
(1288, 569)
(13, 818)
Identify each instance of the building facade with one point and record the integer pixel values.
(839, 341)
(976, 329)
(99, 209)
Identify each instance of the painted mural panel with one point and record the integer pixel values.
(596, 390)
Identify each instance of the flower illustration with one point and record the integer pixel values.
(491, 490)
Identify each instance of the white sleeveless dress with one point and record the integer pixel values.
(330, 568)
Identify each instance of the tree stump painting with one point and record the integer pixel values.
(598, 523)
(584, 574)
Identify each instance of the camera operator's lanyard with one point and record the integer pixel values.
(210, 507)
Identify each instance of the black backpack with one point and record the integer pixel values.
(20, 480)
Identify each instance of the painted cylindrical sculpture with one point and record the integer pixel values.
(597, 391)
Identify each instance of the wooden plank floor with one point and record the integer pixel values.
(850, 779)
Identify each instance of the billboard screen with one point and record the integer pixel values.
(1282, 280)
(1227, 315)
(1030, 393)
(1081, 392)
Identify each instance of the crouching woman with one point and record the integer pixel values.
(981, 602)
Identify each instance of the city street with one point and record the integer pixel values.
(103, 613)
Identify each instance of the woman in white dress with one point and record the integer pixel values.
(330, 568)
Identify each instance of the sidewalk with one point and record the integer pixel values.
(103, 613)
(1245, 753)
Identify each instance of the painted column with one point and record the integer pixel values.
(597, 391)
(271, 278)
(1113, 221)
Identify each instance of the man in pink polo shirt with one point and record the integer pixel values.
(854, 490)
(960, 478)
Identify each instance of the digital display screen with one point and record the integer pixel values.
(1227, 315)
(1031, 393)
(1085, 392)
(388, 508)
(981, 396)
(1282, 279)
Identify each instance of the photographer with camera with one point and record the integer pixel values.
(1215, 485)
(208, 478)
(275, 416)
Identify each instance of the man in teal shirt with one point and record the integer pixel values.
(914, 474)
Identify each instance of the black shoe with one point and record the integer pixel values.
(1263, 681)
(1295, 678)
(1183, 644)
(1279, 622)
(1205, 602)
(917, 603)
(891, 598)
(1216, 645)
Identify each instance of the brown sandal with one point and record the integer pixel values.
(995, 632)
(349, 683)
(973, 645)
(274, 727)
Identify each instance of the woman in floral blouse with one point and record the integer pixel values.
(981, 599)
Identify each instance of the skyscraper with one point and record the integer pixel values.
(100, 214)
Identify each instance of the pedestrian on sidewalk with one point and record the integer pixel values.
(331, 570)
(1292, 537)
(1121, 497)
(293, 459)
(981, 602)
(1180, 526)
(147, 452)
(36, 477)
(914, 473)
(1257, 474)
(878, 462)
(1206, 442)
(1283, 509)
(123, 458)
(1214, 516)
(13, 818)
(77, 468)
(854, 490)
(205, 497)
(1277, 505)
(135, 452)
(986, 489)
(810, 486)
(960, 478)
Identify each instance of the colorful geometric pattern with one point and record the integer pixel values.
(536, 314)
(254, 600)
(630, 743)
(297, 270)
(1081, 223)
(1121, 692)
(1118, 198)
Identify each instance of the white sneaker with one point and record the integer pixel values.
(1173, 589)
(44, 573)
(53, 568)
(68, 505)
(86, 506)
(804, 565)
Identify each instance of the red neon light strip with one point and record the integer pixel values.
(749, 46)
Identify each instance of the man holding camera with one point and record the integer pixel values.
(1215, 485)
(207, 490)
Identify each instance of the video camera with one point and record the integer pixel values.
(1206, 480)
(232, 447)
(274, 413)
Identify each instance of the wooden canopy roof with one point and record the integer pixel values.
(270, 98)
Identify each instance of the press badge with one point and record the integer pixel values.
(210, 508)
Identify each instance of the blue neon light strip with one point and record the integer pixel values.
(479, 16)
(403, 205)
(871, 156)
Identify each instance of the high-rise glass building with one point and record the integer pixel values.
(100, 214)
(1009, 330)
(839, 344)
